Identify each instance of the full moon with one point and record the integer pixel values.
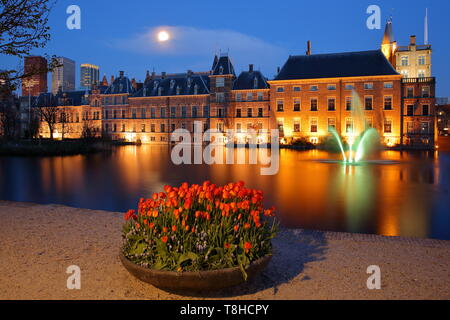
(163, 36)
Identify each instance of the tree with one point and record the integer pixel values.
(23, 27)
(49, 115)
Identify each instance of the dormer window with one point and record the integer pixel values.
(172, 84)
(220, 70)
(189, 81)
(195, 89)
(255, 83)
(178, 90)
(155, 85)
(159, 91)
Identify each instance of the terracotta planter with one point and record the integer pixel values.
(194, 281)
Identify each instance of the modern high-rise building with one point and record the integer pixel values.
(63, 77)
(89, 75)
(36, 83)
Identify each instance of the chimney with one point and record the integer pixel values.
(112, 79)
(250, 67)
(412, 41)
(278, 69)
(189, 73)
(308, 48)
(163, 75)
(134, 83)
(153, 75)
(121, 73)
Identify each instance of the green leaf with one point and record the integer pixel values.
(186, 257)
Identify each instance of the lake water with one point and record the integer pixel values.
(406, 195)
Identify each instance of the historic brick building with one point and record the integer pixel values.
(349, 92)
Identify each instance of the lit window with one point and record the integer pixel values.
(387, 126)
(331, 87)
(313, 88)
(349, 86)
(297, 89)
(314, 106)
(313, 125)
(220, 82)
(331, 104)
(388, 85)
(296, 104)
(296, 125)
(331, 123)
(280, 89)
(387, 103)
(368, 103)
(405, 61)
(421, 60)
(280, 106)
(368, 86)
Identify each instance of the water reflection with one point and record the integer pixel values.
(408, 196)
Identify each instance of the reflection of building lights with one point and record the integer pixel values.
(283, 141)
(314, 140)
(437, 147)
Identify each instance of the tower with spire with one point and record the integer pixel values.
(389, 45)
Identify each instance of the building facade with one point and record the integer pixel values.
(89, 76)
(37, 82)
(311, 96)
(63, 77)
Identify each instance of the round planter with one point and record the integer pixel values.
(195, 281)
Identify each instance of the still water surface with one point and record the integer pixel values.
(407, 195)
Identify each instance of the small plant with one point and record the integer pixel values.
(199, 227)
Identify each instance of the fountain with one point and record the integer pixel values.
(359, 138)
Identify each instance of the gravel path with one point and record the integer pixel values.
(38, 243)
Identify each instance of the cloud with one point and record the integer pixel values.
(190, 42)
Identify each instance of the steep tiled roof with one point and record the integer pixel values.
(250, 80)
(223, 66)
(334, 65)
(120, 85)
(70, 98)
(176, 84)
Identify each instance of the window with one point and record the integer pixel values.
(280, 89)
(238, 127)
(296, 125)
(388, 85)
(123, 128)
(313, 125)
(249, 112)
(173, 112)
(410, 92)
(405, 73)
(152, 127)
(219, 126)
(106, 127)
(249, 96)
(421, 60)
(220, 97)
(410, 110)
(142, 127)
(349, 125)
(115, 114)
(260, 96)
(296, 104)
(206, 111)
(134, 128)
(425, 127)
(348, 103)
(410, 127)
(162, 127)
(114, 127)
(425, 110)
(183, 111)
(368, 103)
(331, 104)
(260, 112)
(238, 113)
(280, 125)
(387, 103)
(133, 113)
(172, 127)
(238, 97)
(163, 112)
(404, 61)
(194, 112)
(280, 106)
(313, 104)
(331, 87)
(368, 123)
(368, 86)
(421, 74)
(142, 113)
(297, 89)
(220, 82)
(425, 92)
(313, 88)
(387, 126)
(220, 112)
(349, 86)
(331, 123)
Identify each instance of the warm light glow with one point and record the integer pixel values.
(163, 36)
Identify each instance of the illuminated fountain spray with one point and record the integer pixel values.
(360, 138)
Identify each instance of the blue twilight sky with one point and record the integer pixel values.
(120, 35)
